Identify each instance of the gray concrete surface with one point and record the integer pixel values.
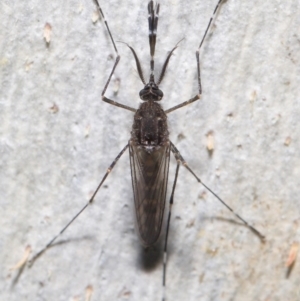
(57, 139)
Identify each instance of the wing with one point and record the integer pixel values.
(149, 173)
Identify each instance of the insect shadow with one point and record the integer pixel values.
(150, 149)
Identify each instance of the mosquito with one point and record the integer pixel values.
(150, 147)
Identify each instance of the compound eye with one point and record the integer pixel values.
(144, 93)
(159, 94)
(151, 93)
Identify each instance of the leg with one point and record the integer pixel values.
(196, 97)
(112, 102)
(82, 209)
(167, 231)
(180, 158)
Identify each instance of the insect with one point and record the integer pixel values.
(149, 146)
